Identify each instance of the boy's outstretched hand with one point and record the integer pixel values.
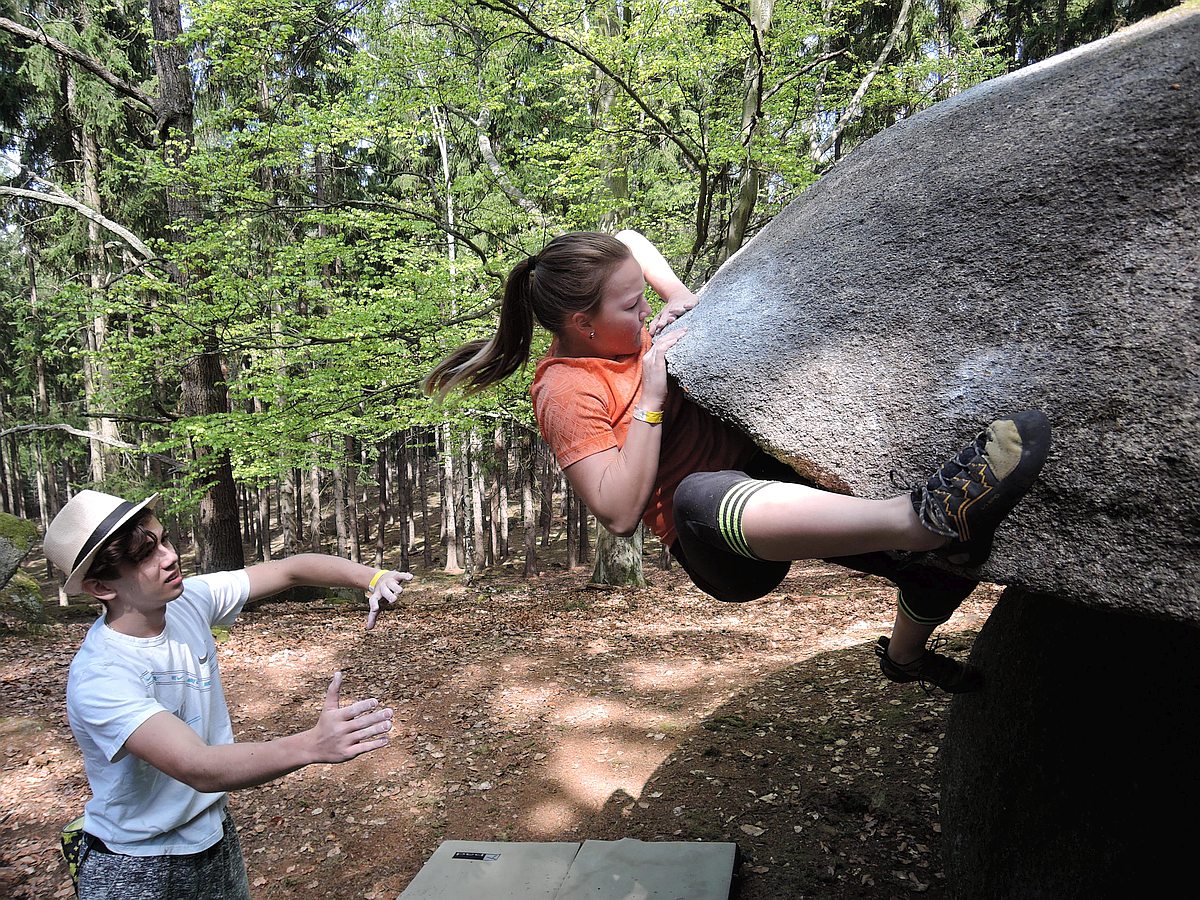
(344, 732)
(386, 592)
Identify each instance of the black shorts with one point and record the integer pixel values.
(720, 563)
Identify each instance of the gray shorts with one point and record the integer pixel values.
(218, 873)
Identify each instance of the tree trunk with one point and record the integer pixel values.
(422, 476)
(382, 507)
(572, 526)
(449, 513)
(8, 467)
(528, 520)
(96, 381)
(5, 500)
(243, 503)
(818, 108)
(752, 89)
(264, 523)
(47, 484)
(97, 275)
(219, 543)
(203, 391)
(96, 386)
(404, 500)
(618, 559)
(616, 173)
(548, 477)
(16, 487)
(854, 107)
(492, 505)
(339, 509)
(408, 477)
(500, 516)
(314, 508)
(362, 506)
(472, 450)
(462, 499)
(39, 466)
(288, 521)
(584, 530)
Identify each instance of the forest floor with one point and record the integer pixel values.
(540, 710)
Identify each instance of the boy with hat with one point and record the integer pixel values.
(145, 703)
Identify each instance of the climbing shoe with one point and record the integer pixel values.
(971, 494)
(931, 669)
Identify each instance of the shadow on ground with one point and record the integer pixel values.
(826, 777)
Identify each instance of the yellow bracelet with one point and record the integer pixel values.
(649, 416)
(375, 580)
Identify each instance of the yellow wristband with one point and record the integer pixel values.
(649, 416)
(375, 580)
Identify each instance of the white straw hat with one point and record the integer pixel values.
(81, 529)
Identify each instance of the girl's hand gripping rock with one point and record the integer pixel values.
(654, 371)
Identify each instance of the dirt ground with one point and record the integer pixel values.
(541, 710)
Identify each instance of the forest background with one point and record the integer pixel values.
(237, 234)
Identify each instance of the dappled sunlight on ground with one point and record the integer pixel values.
(668, 674)
(522, 702)
(550, 818)
(524, 710)
(591, 770)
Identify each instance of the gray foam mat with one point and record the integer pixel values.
(596, 870)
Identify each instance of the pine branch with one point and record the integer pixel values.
(518, 12)
(801, 72)
(506, 185)
(88, 63)
(91, 436)
(390, 206)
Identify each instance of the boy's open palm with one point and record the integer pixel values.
(344, 732)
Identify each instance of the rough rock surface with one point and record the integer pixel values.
(16, 537)
(1034, 242)
(1073, 774)
(19, 595)
(21, 598)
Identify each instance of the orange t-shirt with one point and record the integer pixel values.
(584, 405)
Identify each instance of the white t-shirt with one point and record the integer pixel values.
(116, 683)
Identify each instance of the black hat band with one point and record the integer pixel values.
(102, 531)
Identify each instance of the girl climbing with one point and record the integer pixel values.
(636, 449)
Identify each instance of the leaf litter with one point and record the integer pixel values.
(537, 710)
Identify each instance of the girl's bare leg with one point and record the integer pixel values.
(792, 521)
(908, 640)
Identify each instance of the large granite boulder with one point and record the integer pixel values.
(1033, 242)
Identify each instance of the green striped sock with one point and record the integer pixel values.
(729, 515)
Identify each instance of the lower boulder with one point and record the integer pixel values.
(1073, 774)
